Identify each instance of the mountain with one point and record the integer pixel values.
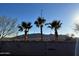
(36, 37)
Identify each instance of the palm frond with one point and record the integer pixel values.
(29, 24)
(54, 24)
(39, 22)
(36, 23)
(50, 27)
(47, 23)
(24, 24)
(20, 28)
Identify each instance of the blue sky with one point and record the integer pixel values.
(30, 12)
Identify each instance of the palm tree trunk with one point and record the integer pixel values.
(56, 34)
(26, 36)
(41, 33)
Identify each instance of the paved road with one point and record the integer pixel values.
(38, 48)
(77, 48)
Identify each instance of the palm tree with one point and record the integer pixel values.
(54, 25)
(40, 23)
(25, 26)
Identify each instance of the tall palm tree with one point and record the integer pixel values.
(40, 23)
(25, 26)
(55, 25)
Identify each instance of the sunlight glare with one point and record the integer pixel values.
(75, 21)
(76, 18)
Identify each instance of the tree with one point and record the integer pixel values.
(7, 26)
(25, 26)
(69, 36)
(76, 28)
(72, 35)
(54, 25)
(40, 23)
